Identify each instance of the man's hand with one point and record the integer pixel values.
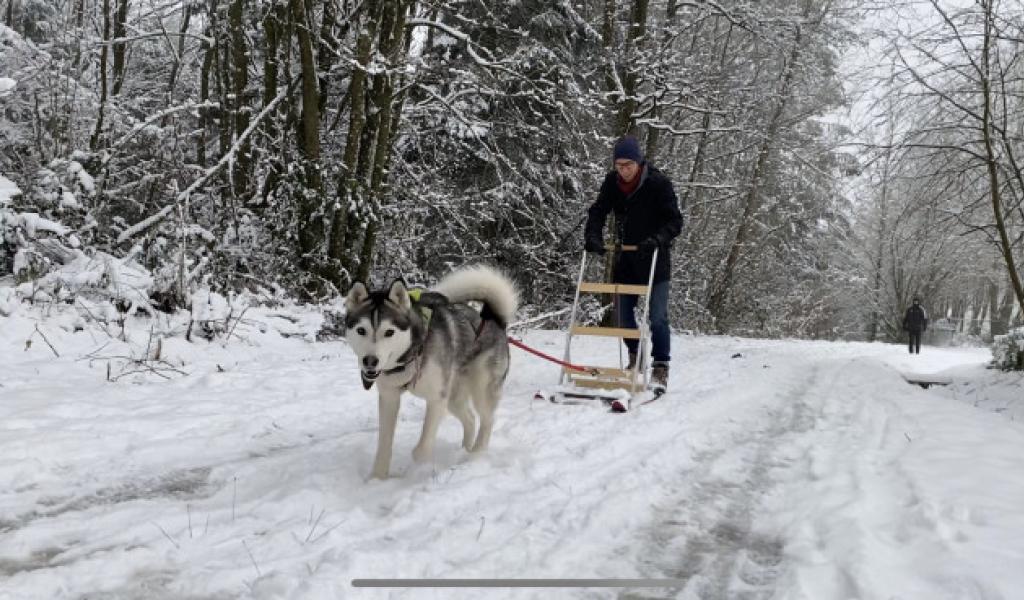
(650, 244)
(594, 245)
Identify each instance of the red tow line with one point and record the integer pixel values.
(565, 364)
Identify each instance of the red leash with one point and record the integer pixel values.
(567, 365)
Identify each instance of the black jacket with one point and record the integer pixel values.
(650, 211)
(916, 320)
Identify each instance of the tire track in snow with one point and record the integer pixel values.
(182, 484)
(703, 534)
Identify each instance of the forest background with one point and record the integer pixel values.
(834, 158)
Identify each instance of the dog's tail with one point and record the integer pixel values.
(484, 284)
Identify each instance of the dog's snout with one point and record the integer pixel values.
(370, 362)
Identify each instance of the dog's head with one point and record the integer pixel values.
(379, 328)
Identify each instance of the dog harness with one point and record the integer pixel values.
(425, 311)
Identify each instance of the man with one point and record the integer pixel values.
(915, 322)
(646, 215)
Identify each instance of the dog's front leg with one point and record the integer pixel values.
(436, 407)
(388, 401)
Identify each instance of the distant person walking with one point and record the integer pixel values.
(915, 322)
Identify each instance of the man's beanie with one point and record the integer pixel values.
(628, 148)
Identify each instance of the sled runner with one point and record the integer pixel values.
(617, 387)
(925, 381)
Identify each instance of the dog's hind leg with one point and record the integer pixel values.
(486, 394)
(459, 406)
(388, 402)
(435, 412)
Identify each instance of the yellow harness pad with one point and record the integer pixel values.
(425, 312)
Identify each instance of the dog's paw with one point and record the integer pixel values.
(421, 454)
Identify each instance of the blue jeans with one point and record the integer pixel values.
(661, 339)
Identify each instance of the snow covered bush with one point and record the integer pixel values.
(38, 229)
(214, 315)
(97, 276)
(8, 302)
(1008, 350)
(8, 191)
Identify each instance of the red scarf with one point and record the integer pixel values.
(627, 188)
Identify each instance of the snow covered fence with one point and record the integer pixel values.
(1008, 350)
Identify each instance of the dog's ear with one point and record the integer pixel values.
(356, 296)
(399, 295)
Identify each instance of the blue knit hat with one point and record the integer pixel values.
(628, 148)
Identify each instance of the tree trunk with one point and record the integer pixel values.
(222, 77)
(204, 96)
(95, 140)
(1002, 310)
(718, 303)
(878, 294)
(979, 309)
(273, 33)
(327, 48)
(78, 18)
(120, 49)
(625, 118)
(9, 14)
(172, 80)
(350, 188)
(310, 202)
(608, 44)
(1005, 245)
(392, 42)
(654, 133)
(691, 190)
(239, 83)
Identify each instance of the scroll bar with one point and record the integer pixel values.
(517, 583)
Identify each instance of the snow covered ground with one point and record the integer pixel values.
(806, 470)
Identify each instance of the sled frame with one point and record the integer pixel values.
(599, 382)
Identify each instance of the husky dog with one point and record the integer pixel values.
(437, 347)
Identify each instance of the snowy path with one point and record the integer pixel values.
(800, 470)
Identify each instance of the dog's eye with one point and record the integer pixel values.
(361, 330)
(389, 333)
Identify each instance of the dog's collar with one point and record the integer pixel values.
(417, 358)
(408, 361)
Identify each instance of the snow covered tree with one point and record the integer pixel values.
(961, 77)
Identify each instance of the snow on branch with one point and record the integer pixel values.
(156, 117)
(154, 34)
(145, 224)
(721, 11)
(198, 183)
(462, 37)
(657, 124)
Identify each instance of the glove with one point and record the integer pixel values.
(594, 245)
(650, 244)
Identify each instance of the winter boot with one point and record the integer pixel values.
(659, 375)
